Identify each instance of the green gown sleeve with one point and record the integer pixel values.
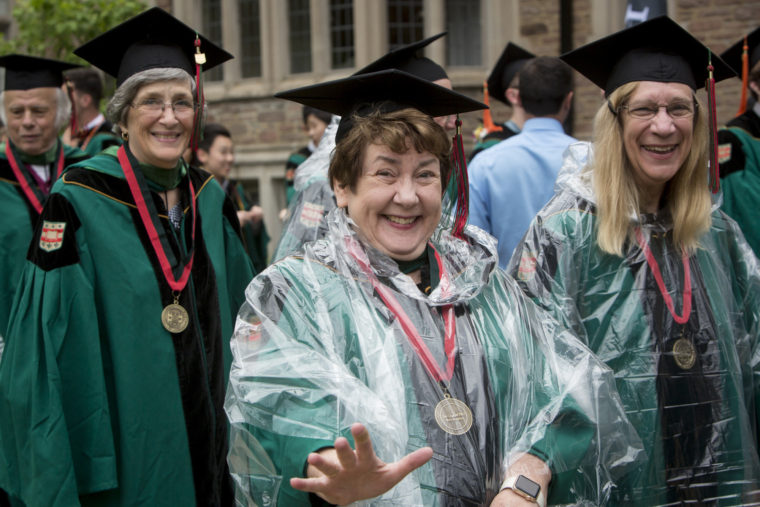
(747, 294)
(58, 418)
(740, 181)
(255, 236)
(282, 331)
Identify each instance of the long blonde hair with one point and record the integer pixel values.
(687, 197)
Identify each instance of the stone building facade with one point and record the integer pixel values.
(266, 130)
(281, 44)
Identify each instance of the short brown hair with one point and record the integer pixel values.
(392, 130)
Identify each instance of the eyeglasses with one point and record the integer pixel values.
(181, 108)
(677, 110)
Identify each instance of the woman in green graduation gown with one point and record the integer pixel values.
(633, 256)
(114, 373)
(391, 362)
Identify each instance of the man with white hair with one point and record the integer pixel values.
(34, 109)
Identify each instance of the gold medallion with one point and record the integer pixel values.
(684, 353)
(174, 318)
(453, 416)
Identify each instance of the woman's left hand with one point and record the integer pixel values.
(342, 475)
(534, 469)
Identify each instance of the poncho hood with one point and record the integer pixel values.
(468, 263)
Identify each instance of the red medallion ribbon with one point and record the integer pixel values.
(431, 365)
(684, 317)
(144, 204)
(31, 190)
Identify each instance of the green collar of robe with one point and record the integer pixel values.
(48, 157)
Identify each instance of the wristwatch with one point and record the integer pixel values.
(529, 490)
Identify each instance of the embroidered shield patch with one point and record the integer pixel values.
(254, 329)
(311, 214)
(52, 235)
(724, 153)
(527, 266)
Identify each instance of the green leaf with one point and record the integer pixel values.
(54, 28)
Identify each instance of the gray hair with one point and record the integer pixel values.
(62, 108)
(118, 107)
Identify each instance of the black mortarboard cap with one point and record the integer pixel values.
(24, 72)
(388, 90)
(408, 59)
(655, 50)
(507, 66)
(733, 55)
(152, 39)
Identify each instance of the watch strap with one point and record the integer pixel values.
(509, 483)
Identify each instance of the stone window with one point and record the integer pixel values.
(463, 46)
(250, 38)
(299, 36)
(342, 33)
(212, 29)
(405, 22)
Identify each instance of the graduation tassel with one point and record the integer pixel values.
(713, 126)
(488, 123)
(200, 100)
(73, 126)
(745, 78)
(460, 182)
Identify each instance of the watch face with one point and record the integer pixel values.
(527, 486)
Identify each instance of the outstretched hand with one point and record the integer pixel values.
(342, 475)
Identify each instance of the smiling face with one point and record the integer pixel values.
(159, 139)
(31, 118)
(657, 147)
(396, 203)
(219, 158)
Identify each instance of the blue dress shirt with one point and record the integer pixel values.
(511, 182)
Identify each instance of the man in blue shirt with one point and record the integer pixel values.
(511, 181)
(503, 85)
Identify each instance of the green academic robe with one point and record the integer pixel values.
(739, 157)
(103, 136)
(316, 349)
(101, 404)
(19, 221)
(694, 406)
(255, 237)
(294, 160)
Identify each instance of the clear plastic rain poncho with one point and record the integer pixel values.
(323, 341)
(687, 365)
(313, 200)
